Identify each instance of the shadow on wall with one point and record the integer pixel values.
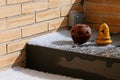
(13, 59)
(77, 6)
(55, 24)
(64, 23)
(103, 11)
(18, 58)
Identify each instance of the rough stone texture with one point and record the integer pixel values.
(57, 53)
(62, 40)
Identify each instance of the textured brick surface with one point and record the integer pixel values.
(34, 6)
(34, 29)
(11, 10)
(16, 1)
(65, 10)
(115, 29)
(2, 49)
(103, 9)
(57, 23)
(10, 35)
(98, 1)
(2, 24)
(16, 45)
(76, 1)
(58, 3)
(114, 2)
(9, 59)
(100, 11)
(112, 20)
(48, 14)
(20, 20)
(94, 18)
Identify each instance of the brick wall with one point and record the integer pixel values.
(20, 20)
(99, 11)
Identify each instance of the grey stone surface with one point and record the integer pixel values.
(62, 40)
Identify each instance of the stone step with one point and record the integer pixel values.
(56, 53)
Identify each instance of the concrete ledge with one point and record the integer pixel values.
(75, 64)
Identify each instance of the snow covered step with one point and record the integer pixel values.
(56, 53)
(19, 73)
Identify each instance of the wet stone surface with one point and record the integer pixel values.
(62, 40)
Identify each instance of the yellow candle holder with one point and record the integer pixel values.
(103, 35)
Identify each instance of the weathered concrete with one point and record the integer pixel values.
(81, 65)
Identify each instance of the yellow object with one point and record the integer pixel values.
(104, 35)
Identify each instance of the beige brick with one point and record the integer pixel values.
(65, 10)
(6, 11)
(10, 35)
(76, 1)
(35, 6)
(2, 2)
(58, 3)
(35, 29)
(20, 21)
(2, 49)
(2, 24)
(16, 1)
(16, 45)
(46, 15)
(9, 59)
(57, 23)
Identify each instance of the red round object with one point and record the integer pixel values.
(80, 33)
